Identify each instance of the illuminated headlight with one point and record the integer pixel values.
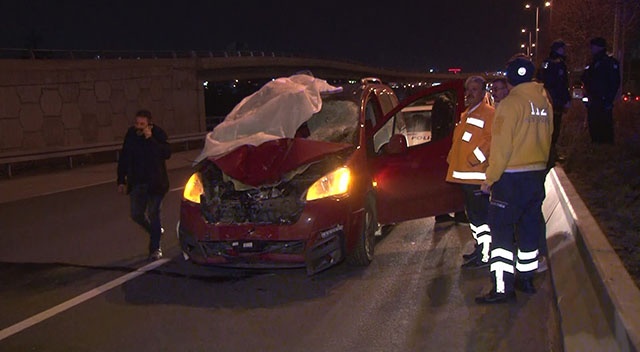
(335, 183)
(193, 189)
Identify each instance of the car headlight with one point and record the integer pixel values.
(193, 189)
(333, 184)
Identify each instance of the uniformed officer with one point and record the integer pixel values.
(601, 81)
(553, 73)
(520, 143)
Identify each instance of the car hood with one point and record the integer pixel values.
(268, 162)
(273, 112)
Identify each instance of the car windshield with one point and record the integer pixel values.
(336, 122)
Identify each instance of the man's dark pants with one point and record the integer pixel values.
(557, 124)
(145, 211)
(516, 220)
(476, 205)
(600, 119)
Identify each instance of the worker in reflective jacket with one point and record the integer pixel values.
(468, 160)
(520, 144)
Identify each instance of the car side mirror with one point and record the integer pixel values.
(397, 144)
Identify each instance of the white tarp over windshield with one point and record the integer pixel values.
(273, 112)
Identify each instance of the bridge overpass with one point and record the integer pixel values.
(53, 101)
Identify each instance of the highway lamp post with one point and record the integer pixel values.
(537, 28)
(529, 45)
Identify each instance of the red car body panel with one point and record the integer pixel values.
(268, 162)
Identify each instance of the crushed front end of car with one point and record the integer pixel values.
(275, 199)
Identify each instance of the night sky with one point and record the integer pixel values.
(477, 35)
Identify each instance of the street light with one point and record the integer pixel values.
(524, 30)
(528, 6)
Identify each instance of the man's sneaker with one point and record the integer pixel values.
(475, 263)
(524, 285)
(444, 219)
(461, 218)
(155, 255)
(493, 298)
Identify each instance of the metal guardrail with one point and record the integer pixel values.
(10, 158)
(22, 53)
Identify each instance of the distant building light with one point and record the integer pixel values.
(205, 84)
(432, 70)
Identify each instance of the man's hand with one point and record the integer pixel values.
(122, 189)
(485, 188)
(147, 131)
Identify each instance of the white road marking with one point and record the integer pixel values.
(16, 328)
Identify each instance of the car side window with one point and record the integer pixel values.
(370, 113)
(382, 136)
(388, 100)
(429, 118)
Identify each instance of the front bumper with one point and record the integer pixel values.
(315, 243)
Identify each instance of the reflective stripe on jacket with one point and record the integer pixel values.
(469, 154)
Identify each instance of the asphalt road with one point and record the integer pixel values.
(74, 277)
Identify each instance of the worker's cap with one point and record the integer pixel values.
(557, 44)
(599, 41)
(519, 70)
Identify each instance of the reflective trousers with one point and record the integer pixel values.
(476, 205)
(516, 220)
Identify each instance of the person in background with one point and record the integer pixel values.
(467, 160)
(520, 144)
(601, 81)
(499, 90)
(142, 174)
(553, 73)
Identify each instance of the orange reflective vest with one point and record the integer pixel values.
(469, 155)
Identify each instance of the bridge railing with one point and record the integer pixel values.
(22, 53)
(8, 159)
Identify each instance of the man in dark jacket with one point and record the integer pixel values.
(142, 174)
(601, 81)
(553, 73)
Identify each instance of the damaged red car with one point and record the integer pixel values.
(305, 174)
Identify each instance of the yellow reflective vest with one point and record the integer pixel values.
(469, 154)
(521, 136)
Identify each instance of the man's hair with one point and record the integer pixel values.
(477, 79)
(144, 113)
(502, 80)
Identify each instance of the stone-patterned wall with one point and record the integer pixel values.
(46, 105)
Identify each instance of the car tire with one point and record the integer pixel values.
(363, 253)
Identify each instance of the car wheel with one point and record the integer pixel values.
(363, 253)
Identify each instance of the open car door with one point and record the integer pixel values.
(411, 145)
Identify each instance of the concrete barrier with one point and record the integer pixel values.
(598, 301)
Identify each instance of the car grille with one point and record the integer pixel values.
(280, 204)
(236, 248)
